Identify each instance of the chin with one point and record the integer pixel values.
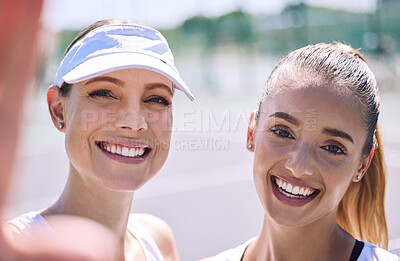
(122, 186)
(125, 182)
(287, 219)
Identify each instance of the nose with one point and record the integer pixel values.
(131, 118)
(301, 161)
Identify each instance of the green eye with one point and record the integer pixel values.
(282, 133)
(334, 149)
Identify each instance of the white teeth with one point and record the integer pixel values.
(289, 188)
(293, 191)
(132, 152)
(141, 151)
(125, 151)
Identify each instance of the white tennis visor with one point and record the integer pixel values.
(119, 46)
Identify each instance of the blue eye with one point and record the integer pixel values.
(334, 149)
(102, 93)
(282, 133)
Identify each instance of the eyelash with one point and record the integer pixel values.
(283, 133)
(102, 93)
(159, 100)
(338, 150)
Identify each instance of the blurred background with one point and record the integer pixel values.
(225, 51)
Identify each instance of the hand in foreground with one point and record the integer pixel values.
(75, 238)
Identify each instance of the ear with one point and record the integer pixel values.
(55, 103)
(250, 132)
(364, 166)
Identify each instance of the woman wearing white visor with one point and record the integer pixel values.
(112, 97)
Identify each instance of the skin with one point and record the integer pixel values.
(117, 107)
(305, 153)
(18, 31)
(19, 27)
(300, 150)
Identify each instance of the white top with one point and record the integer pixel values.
(370, 252)
(31, 225)
(233, 254)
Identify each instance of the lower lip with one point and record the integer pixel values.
(294, 202)
(124, 159)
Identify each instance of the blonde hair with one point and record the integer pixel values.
(361, 212)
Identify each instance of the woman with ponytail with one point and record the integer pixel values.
(318, 161)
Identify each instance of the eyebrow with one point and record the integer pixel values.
(153, 86)
(107, 79)
(121, 84)
(338, 133)
(285, 116)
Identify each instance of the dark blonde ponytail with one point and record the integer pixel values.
(362, 209)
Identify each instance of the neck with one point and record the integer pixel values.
(319, 240)
(86, 198)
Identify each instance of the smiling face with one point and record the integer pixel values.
(118, 127)
(307, 149)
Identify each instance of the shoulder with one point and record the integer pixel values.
(13, 234)
(233, 254)
(375, 253)
(24, 228)
(160, 232)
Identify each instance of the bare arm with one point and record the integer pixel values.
(19, 27)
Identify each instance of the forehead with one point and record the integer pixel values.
(320, 104)
(139, 74)
(128, 76)
(311, 93)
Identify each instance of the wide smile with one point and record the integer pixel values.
(292, 194)
(131, 152)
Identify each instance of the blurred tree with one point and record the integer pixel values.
(235, 27)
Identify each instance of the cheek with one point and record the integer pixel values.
(82, 121)
(160, 124)
(267, 152)
(87, 117)
(266, 155)
(159, 120)
(79, 126)
(106, 118)
(337, 176)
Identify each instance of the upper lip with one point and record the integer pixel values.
(295, 182)
(130, 143)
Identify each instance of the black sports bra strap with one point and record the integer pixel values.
(241, 259)
(358, 247)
